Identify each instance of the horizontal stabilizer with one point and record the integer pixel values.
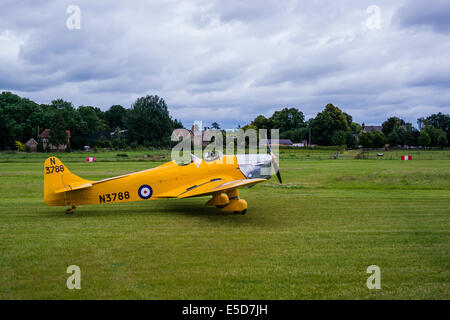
(74, 187)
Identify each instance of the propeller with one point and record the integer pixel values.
(274, 162)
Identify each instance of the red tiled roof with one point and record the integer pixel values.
(46, 134)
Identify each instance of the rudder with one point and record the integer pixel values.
(57, 176)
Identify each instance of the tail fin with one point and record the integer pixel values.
(57, 176)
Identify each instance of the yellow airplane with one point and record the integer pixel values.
(218, 175)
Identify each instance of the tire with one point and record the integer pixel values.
(241, 212)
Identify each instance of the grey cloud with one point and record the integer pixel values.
(434, 74)
(247, 10)
(229, 60)
(417, 13)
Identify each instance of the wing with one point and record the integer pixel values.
(210, 187)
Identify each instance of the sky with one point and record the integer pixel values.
(229, 61)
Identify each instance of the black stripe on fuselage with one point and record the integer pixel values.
(196, 186)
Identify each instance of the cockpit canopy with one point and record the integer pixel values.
(255, 165)
(207, 157)
(212, 156)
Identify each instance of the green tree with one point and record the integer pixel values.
(148, 122)
(19, 118)
(372, 139)
(365, 139)
(114, 116)
(338, 138)
(328, 121)
(287, 119)
(378, 139)
(102, 142)
(393, 138)
(117, 140)
(20, 146)
(73, 121)
(349, 118)
(350, 139)
(390, 124)
(40, 146)
(401, 133)
(355, 127)
(262, 122)
(440, 121)
(434, 133)
(411, 135)
(249, 126)
(90, 116)
(424, 138)
(58, 134)
(442, 140)
(215, 125)
(296, 135)
(177, 124)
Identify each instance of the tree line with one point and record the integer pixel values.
(148, 123)
(332, 127)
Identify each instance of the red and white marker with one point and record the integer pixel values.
(91, 159)
(406, 157)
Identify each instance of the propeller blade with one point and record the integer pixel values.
(274, 162)
(268, 145)
(276, 168)
(279, 176)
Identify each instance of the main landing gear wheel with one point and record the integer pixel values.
(240, 212)
(71, 210)
(220, 207)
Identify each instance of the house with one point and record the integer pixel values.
(32, 144)
(282, 142)
(371, 128)
(45, 136)
(366, 129)
(279, 142)
(182, 133)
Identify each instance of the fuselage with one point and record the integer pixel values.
(165, 181)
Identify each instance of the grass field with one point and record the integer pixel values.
(311, 238)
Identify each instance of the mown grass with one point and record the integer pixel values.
(311, 238)
(285, 153)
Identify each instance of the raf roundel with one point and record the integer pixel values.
(145, 191)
